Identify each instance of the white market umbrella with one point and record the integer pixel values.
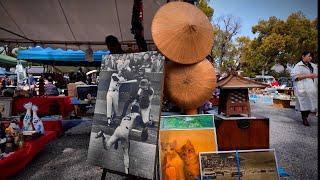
(92, 71)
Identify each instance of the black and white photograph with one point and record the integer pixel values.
(248, 164)
(222, 165)
(127, 113)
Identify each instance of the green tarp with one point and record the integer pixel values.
(9, 61)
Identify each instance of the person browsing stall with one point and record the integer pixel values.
(50, 88)
(113, 45)
(305, 77)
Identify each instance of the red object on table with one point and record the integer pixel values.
(275, 83)
(53, 125)
(16, 161)
(44, 102)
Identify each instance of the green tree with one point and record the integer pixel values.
(279, 41)
(246, 55)
(203, 5)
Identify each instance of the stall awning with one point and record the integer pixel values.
(59, 56)
(9, 61)
(73, 20)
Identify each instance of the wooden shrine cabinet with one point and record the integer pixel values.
(234, 95)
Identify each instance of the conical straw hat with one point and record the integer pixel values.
(189, 86)
(182, 32)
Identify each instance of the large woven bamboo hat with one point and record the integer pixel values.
(182, 32)
(189, 86)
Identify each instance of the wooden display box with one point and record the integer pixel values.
(281, 103)
(242, 133)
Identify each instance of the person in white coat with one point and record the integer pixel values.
(305, 77)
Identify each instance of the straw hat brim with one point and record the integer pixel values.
(182, 32)
(189, 86)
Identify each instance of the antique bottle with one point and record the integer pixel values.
(20, 142)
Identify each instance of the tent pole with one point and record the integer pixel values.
(11, 32)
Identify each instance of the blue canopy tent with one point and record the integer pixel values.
(60, 56)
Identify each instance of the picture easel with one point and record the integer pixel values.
(104, 173)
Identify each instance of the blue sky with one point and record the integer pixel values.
(251, 11)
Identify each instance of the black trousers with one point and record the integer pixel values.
(305, 114)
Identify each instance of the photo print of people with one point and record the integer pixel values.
(244, 164)
(127, 113)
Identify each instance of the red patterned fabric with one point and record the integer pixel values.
(44, 103)
(16, 161)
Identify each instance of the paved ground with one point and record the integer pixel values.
(295, 145)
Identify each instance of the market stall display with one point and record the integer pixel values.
(287, 91)
(278, 97)
(17, 160)
(19, 146)
(49, 105)
(124, 136)
(184, 35)
(281, 103)
(283, 97)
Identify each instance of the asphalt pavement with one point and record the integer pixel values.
(295, 145)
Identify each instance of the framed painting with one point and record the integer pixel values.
(243, 164)
(181, 139)
(187, 122)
